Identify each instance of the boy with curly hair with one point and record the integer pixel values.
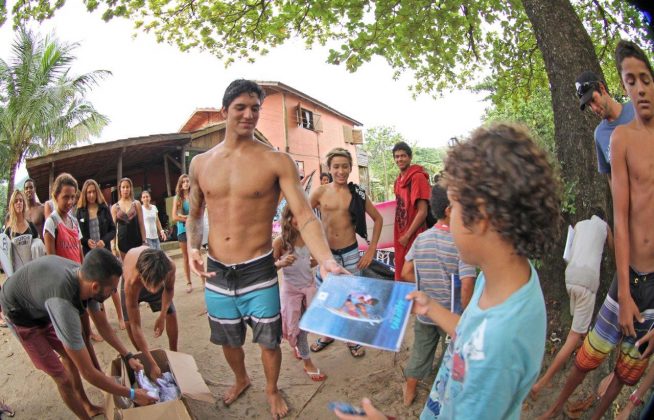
(505, 210)
(505, 203)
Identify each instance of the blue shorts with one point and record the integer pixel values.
(240, 295)
(347, 257)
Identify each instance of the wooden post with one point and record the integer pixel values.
(184, 159)
(50, 180)
(119, 171)
(167, 175)
(285, 117)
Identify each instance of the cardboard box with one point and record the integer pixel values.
(187, 376)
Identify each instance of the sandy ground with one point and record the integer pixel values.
(378, 375)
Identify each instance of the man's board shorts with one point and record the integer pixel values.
(155, 300)
(42, 346)
(244, 294)
(582, 303)
(606, 333)
(347, 257)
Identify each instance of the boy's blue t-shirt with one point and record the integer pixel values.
(494, 358)
(603, 137)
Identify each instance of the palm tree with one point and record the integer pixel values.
(42, 107)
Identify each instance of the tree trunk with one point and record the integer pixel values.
(567, 51)
(13, 168)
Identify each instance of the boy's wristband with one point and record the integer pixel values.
(132, 394)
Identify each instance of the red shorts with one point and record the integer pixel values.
(43, 346)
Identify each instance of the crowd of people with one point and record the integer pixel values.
(494, 208)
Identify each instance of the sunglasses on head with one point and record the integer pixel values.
(582, 88)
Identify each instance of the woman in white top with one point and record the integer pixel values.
(153, 229)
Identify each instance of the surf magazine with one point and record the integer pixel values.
(362, 310)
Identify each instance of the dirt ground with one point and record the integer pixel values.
(378, 375)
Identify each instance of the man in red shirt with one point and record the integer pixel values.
(412, 192)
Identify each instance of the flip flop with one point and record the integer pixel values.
(320, 345)
(3, 324)
(354, 350)
(189, 287)
(316, 376)
(296, 353)
(6, 410)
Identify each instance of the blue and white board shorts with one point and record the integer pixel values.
(244, 294)
(347, 257)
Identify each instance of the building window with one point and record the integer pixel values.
(306, 119)
(300, 168)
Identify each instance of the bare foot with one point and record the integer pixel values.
(409, 389)
(235, 391)
(581, 404)
(278, 407)
(121, 324)
(96, 337)
(93, 410)
(537, 388)
(552, 413)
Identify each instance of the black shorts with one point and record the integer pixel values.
(152, 299)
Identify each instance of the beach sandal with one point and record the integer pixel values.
(189, 287)
(3, 324)
(356, 350)
(296, 353)
(320, 345)
(6, 410)
(316, 376)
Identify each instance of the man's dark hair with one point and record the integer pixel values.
(239, 87)
(324, 174)
(153, 266)
(403, 146)
(101, 265)
(626, 49)
(502, 168)
(599, 212)
(438, 201)
(29, 180)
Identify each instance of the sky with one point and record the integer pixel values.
(155, 87)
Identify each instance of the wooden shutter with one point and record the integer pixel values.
(298, 114)
(317, 122)
(347, 134)
(357, 136)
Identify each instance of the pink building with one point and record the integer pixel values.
(302, 126)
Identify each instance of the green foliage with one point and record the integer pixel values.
(536, 113)
(383, 170)
(3, 199)
(42, 107)
(445, 44)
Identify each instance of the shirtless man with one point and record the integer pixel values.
(631, 295)
(149, 276)
(240, 180)
(342, 210)
(34, 209)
